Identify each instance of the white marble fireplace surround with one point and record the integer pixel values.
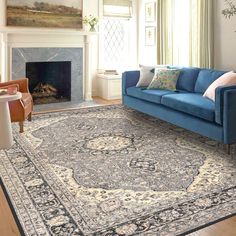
(12, 38)
(20, 56)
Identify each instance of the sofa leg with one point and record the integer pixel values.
(30, 116)
(228, 149)
(21, 124)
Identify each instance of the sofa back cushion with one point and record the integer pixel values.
(187, 79)
(205, 78)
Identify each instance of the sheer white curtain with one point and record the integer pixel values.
(185, 32)
(201, 33)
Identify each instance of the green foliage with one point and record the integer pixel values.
(90, 20)
(230, 10)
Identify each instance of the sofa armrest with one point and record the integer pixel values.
(229, 116)
(129, 79)
(22, 83)
(219, 102)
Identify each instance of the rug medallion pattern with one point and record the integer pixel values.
(114, 171)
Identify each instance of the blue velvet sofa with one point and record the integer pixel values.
(186, 107)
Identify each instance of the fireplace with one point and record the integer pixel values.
(49, 82)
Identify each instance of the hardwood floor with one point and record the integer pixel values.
(8, 226)
(106, 102)
(223, 228)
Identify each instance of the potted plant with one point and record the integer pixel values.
(91, 21)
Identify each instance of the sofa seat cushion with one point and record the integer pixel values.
(148, 95)
(191, 103)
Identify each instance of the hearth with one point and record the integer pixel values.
(49, 82)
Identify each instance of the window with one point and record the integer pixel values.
(115, 34)
(117, 8)
(181, 32)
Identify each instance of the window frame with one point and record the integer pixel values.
(132, 45)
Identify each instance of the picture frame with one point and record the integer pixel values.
(150, 11)
(45, 13)
(150, 35)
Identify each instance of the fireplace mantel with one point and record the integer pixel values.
(47, 31)
(18, 37)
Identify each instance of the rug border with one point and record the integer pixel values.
(22, 233)
(37, 113)
(20, 228)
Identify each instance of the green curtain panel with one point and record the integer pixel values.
(185, 32)
(165, 14)
(201, 33)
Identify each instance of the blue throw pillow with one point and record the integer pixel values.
(205, 78)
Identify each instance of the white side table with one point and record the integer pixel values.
(6, 139)
(109, 86)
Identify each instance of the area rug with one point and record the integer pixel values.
(114, 171)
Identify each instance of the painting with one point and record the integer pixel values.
(150, 35)
(44, 13)
(150, 11)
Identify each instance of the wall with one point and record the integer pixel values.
(224, 39)
(147, 55)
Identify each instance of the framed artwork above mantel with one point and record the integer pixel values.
(45, 13)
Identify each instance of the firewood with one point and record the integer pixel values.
(44, 90)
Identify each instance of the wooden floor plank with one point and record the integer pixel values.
(8, 226)
(224, 228)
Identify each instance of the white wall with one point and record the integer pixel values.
(147, 54)
(224, 38)
(2, 12)
(91, 7)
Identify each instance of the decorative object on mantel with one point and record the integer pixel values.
(46, 13)
(91, 21)
(115, 171)
(230, 10)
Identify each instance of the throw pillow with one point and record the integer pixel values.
(226, 79)
(146, 75)
(165, 79)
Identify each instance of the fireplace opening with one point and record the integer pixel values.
(49, 82)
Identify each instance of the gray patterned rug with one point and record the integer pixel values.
(114, 171)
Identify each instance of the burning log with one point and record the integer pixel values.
(44, 90)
